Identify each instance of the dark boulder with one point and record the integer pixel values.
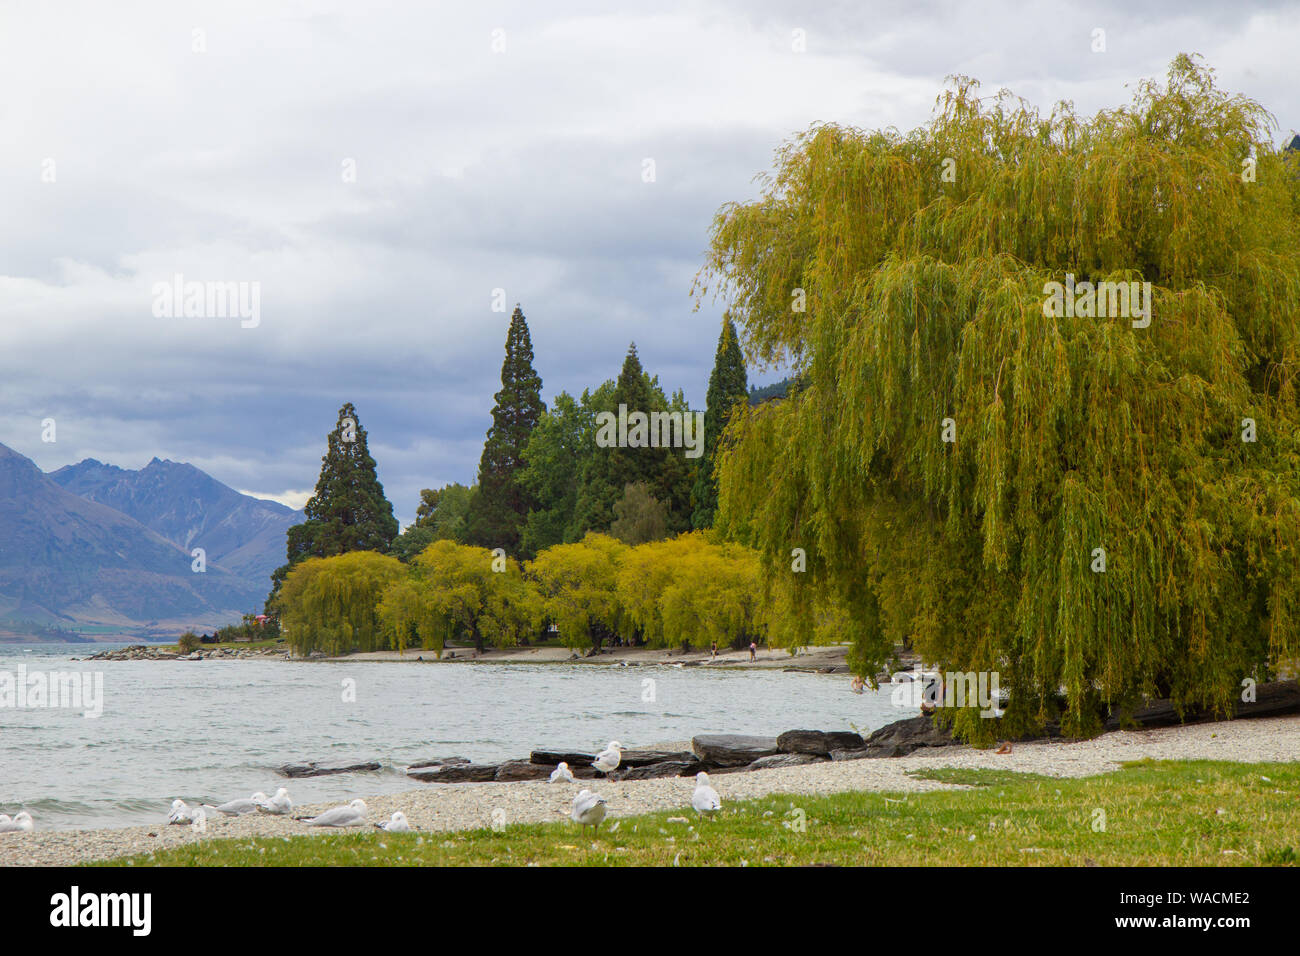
(456, 773)
(786, 760)
(818, 742)
(666, 768)
(437, 762)
(553, 757)
(643, 758)
(732, 750)
(522, 770)
(910, 734)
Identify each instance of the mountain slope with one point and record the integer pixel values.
(190, 508)
(68, 559)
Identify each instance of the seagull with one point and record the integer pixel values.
(353, 815)
(23, 821)
(608, 759)
(705, 799)
(588, 809)
(4, 818)
(397, 824)
(234, 808)
(562, 774)
(279, 804)
(181, 812)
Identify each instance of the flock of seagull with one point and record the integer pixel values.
(588, 807)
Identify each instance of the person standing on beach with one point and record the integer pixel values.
(713, 651)
(753, 651)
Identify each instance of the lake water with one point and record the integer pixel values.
(210, 731)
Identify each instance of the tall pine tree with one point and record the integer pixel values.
(728, 384)
(348, 511)
(499, 510)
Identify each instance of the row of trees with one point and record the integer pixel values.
(683, 590)
(543, 480)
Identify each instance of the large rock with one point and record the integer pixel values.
(437, 762)
(644, 758)
(456, 773)
(666, 768)
(732, 750)
(552, 757)
(786, 760)
(312, 770)
(521, 770)
(904, 736)
(819, 742)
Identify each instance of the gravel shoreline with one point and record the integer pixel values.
(444, 807)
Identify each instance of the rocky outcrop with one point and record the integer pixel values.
(666, 768)
(786, 760)
(436, 762)
(521, 770)
(457, 773)
(312, 770)
(819, 742)
(731, 750)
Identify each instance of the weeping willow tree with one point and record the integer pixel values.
(328, 604)
(1096, 498)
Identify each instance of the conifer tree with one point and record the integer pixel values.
(500, 509)
(728, 384)
(348, 511)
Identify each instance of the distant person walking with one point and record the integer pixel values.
(753, 651)
(713, 651)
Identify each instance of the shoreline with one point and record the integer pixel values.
(436, 808)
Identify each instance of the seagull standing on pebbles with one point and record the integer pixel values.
(397, 824)
(705, 799)
(353, 815)
(607, 760)
(562, 774)
(588, 809)
(23, 821)
(279, 804)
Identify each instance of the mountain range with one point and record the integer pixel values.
(94, 544)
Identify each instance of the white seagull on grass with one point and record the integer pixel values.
(353, 815)
(561, 774)
(705, 799)
(588, 809)
(607, 760)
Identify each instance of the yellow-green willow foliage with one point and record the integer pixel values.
(686, 589)
(328, 604)
(577, 584)
(923, 262)
(453, 590)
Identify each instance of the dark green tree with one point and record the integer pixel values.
(498, 512)
(728, 384)
(348, 511)
(440, 515)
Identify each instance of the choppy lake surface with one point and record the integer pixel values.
(210, 731)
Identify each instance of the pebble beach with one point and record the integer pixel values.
(446, 807)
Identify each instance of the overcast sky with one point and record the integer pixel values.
(135, 148)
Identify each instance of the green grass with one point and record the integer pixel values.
(1156, 814)
(269, 642)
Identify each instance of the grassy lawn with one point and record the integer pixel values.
(1155, 814)
(269, 642)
